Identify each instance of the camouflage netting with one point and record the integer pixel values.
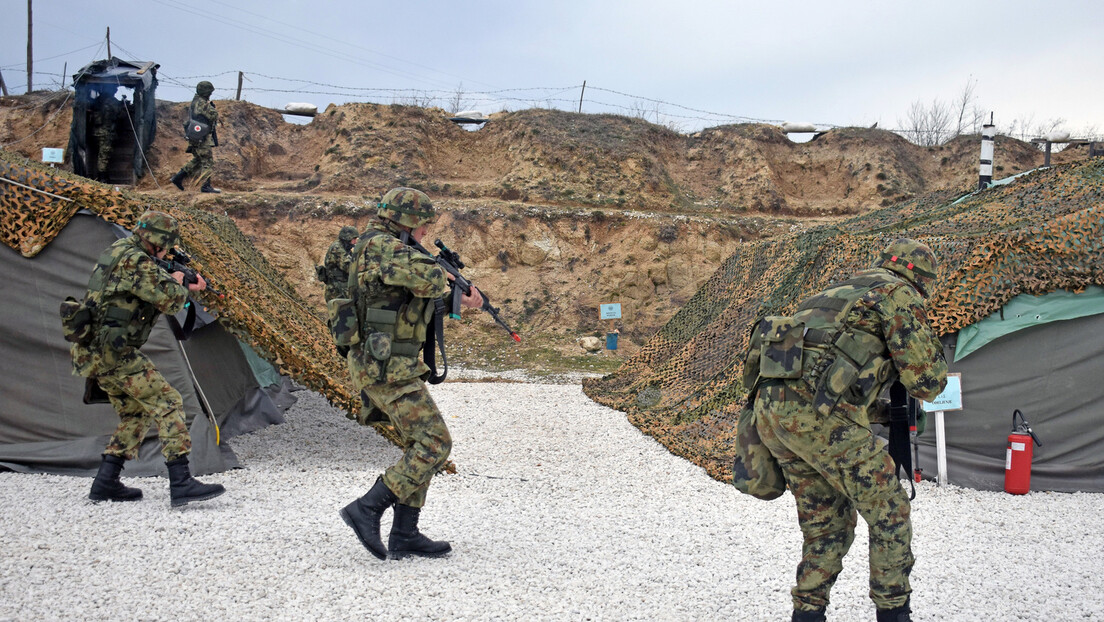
(1040, 233)
(260, 307)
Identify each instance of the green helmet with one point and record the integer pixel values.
(408, 207)
(204, 89)
(347, 234)
(158, 229)
(912, 260)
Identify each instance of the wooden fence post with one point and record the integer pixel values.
(238, 97)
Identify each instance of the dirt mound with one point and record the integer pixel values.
(555, 212)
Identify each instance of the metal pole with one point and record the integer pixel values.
(581, 96)
(109, 42)
(199, 392)
(3, 86)
(940, 449)
(30, 55)
(64, 69)
(238, 97)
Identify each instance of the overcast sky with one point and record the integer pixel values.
(695, 63)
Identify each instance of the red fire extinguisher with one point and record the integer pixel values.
(1017, 461)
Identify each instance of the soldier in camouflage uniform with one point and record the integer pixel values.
(106, 111)
(820, 374)
(130, 291)
(202, 150)
(335, 267)
(395, 288)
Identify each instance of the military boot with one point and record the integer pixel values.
(808, 616)
(407, 540)
(207, 187)
(178, 179)
(107, 487)
(897, 614)
(363, 515)
(183, 488)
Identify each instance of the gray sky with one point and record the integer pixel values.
(696, 63)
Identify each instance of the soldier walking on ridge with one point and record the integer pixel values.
(202, 132)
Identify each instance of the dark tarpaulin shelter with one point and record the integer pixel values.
(45, 426)
(133, 135)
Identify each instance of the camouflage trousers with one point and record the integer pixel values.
(202, 162)
(425, 437)
(141, 396)
(104, 137)
(835, 469)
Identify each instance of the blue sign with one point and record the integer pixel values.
(610, 311)
(949, 399)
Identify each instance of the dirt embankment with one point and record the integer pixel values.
(554, 212)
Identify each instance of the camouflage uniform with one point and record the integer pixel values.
(393, 276)
(203, 159)
(106, 111)
(816, 424)
(335, 267)
(134, 293)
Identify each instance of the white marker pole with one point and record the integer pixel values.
(940, 450)
(985, 170)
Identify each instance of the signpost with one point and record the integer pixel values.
(53, 156)
(949, 399)
(610, 311)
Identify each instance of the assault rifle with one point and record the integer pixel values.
(450, 261)
(904, 411)
(177, 260)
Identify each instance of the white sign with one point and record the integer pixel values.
(53, 155)
(949, 399)
(610, 311)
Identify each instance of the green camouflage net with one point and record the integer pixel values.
(1040, 233)
(259, 307)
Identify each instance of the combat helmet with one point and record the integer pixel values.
(158, 229)
(205, 88)
(347, 234)
(408, 207)
(911, 259)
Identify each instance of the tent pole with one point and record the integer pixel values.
(199, 391)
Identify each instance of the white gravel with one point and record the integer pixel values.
(560, 510)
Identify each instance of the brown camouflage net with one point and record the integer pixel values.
(260, 307)
(1040, 233)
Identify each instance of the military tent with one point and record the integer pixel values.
(1040, 235)
(44, 424)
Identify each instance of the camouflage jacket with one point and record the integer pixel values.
(336, 269)
(395, 277)
(135, 291)
(201, 109)
(893, 312)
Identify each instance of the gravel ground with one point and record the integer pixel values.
(560, 510)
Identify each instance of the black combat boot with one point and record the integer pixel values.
(407, 540)
(897, 614)
(207, 187)
(363, 515)
(183, 488)
(178, 179)
(107, 487)
(808, 616)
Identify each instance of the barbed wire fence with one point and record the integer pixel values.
(678, 117)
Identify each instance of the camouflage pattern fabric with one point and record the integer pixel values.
(131, 291)
(106, 111)
(336, 266)
(141, 396)
(203, 158)
(833, 463)
(426, 441)
(391, 274)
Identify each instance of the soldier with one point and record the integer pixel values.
(130, 290)
(820, 374)
(396, 286)
(335, 268)
(201, 147)
(106, 111)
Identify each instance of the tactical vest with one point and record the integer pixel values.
(122, 319)
(833, 360)
(391, 321)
